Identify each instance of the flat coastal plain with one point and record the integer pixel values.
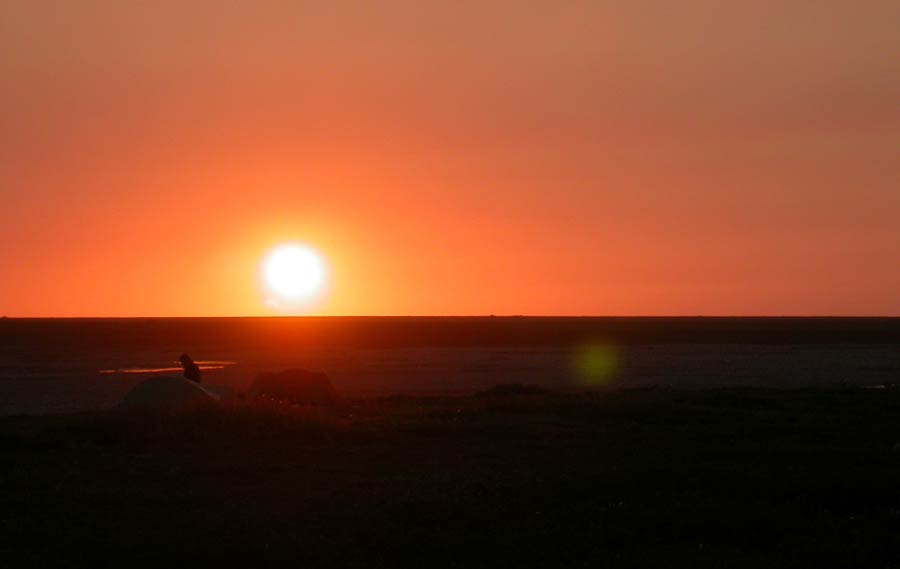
(460, 442)
(52, 365)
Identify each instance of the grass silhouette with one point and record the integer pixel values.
(512, 477)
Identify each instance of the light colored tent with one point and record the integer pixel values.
(167, 393)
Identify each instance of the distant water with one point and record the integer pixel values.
(58, 365)
(203, 365)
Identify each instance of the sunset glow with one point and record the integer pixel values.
(456, 158)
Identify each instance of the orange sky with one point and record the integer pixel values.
(585, 157)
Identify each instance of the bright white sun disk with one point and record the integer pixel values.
(294, 272)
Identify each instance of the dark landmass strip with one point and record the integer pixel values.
(380, 332)
(510, 478)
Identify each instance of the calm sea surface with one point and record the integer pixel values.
(55, 365)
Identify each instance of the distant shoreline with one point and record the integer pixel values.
(478, 316)
(440, 331)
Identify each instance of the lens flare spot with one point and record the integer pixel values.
(596, 363)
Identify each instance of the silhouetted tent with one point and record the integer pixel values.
(166, 394)
(295, 385)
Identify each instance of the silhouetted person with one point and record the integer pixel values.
(191, 370)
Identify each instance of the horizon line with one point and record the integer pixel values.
(447, 316)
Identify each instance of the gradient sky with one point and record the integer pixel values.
(465, 157)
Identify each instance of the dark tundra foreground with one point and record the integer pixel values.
(512, 478)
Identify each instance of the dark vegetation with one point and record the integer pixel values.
(513, 477)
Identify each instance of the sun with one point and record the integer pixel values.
(293, 273)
